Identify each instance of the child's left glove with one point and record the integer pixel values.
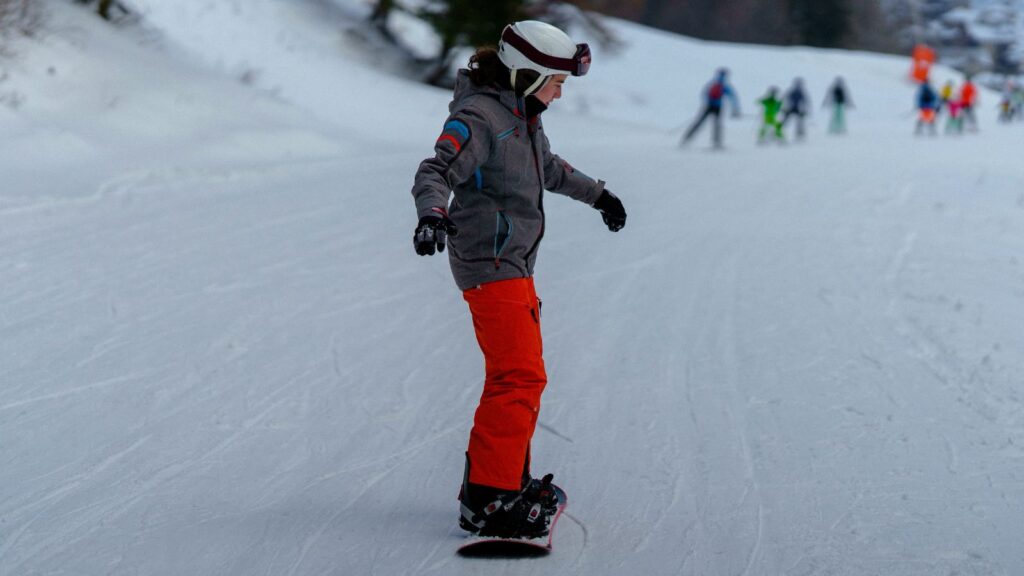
(612, 211)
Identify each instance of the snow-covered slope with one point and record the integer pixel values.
(220, 356)
(96, 104)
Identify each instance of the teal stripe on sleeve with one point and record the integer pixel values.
(458, 126)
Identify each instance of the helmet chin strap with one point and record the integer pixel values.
(536, 85)
(533, 87)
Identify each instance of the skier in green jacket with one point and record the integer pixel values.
(771, 126)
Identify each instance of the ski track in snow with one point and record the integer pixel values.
(715, 410)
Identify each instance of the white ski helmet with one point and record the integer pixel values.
(542, 48)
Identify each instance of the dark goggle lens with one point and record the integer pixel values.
(582, 59)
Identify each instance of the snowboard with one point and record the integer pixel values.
(494, 547)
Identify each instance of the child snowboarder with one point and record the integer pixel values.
(770, 122)
(494, 154)
(714, 95)
(839, 99)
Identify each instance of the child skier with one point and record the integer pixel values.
(839, 99)
(796, 106)
(494, 155)
(1006, 109)
(954, 117)
(1007, 105)
(968, 100)
(1018, 101)
(927, 104)
(945, 94)
(770, 122)
(714, 96)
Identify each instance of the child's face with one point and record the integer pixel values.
(551, 90)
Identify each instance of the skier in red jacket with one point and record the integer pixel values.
(968, 100)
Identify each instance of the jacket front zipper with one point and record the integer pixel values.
(540, 197)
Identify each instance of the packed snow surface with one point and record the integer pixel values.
(219, 354)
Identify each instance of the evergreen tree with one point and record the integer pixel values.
(822, 23)
(105, 8)
(471, 23)
(379, 18)
(17, 17)
(381, 10)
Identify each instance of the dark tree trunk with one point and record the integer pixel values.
(381, 11)
(104, 8)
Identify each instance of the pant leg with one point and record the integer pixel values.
(968, 117)
(696, 125)
(717, 126)
(506, 318)
(838, 121)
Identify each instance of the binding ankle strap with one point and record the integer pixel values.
(479, 519)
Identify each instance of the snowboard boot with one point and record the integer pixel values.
(497, 513)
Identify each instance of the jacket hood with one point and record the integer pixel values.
(464, 88)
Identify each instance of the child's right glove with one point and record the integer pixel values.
(432, 232)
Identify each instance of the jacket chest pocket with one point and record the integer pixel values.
(517, 164)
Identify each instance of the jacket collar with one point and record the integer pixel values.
(529, 108)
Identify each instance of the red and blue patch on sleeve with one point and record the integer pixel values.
(456, 132)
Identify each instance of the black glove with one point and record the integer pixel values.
(432, 232)
(611, 210)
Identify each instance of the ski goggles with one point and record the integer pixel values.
(578, 65)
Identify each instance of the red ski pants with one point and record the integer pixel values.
(506, 317)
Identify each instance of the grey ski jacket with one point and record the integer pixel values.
(498, 163)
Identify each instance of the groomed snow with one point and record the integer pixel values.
(219, 354)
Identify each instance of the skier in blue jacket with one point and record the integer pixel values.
(795, 104)
(714, 96)
(927, 106)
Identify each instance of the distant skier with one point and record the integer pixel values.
(968, 100)
(945, 95)
(954, 117)
(1018, 102)
(1007, 103)
(714, 95)
(493, 153)
(927, 105)
(838, 97)
(770, 123)
(1006, 109)
(795, 105)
